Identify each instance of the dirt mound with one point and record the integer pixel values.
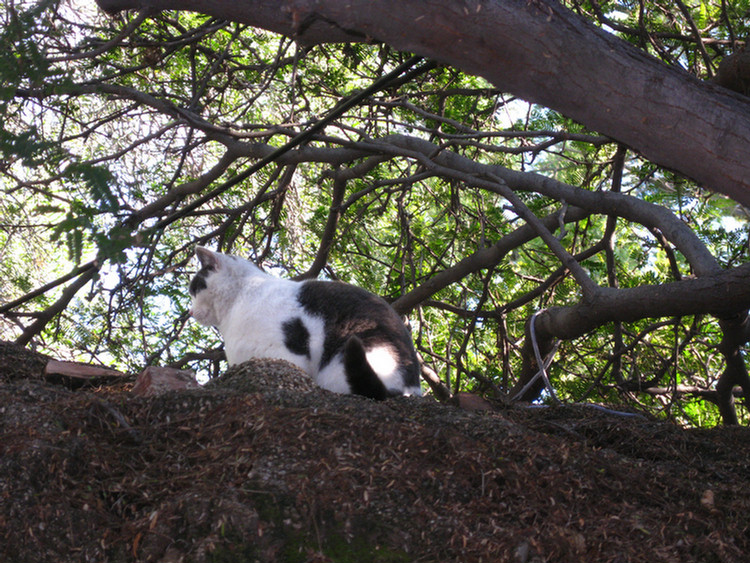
(252, 472)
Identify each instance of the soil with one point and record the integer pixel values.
(261, 466)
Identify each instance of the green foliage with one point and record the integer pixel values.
(22, 61)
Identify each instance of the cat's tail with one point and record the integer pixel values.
(361, 377)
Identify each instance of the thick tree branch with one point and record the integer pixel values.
(722, 295)
(725, 295)
(483, 258)
(673, 119)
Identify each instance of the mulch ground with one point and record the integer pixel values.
(246, 472)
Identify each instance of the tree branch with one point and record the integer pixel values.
(722, 295)
(483, 258)
(48, 286)
(340, 179)
(570, 66)
(608, 203)
(57, 307)
(735, 329)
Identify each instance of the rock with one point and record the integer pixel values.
(472, 402)
(156, 380)
(74, 374)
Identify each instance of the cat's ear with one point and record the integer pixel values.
(207, 258)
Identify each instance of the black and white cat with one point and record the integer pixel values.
(347, 339)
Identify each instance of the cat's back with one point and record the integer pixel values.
(263, 297)
(344, 303)
(256, 325)
(349, 311)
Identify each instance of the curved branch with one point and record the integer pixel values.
(736, 332)
(483, 258)
(607, 203)
(722, 295)
(669, 116)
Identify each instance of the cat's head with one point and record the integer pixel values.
(215, 286)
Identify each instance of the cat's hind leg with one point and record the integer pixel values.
(360, 375)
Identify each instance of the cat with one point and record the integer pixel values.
(347, 339)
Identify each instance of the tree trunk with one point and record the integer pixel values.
(542, 52)
(736, 331)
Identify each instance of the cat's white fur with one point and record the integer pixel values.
(248, 308)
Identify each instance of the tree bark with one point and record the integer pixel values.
(541, 52)
(722, 295)
(736, 331)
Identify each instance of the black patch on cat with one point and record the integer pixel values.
(198, 283)
(360, 376)
(350, 311)
(296, 337)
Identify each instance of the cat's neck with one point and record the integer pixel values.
(225, 297)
